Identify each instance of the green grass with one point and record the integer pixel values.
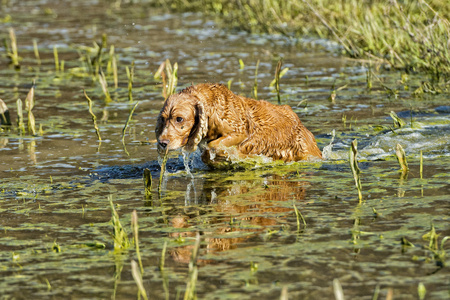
(410, 35)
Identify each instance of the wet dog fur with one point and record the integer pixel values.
(220, 122)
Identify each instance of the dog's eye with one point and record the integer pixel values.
(180, 119)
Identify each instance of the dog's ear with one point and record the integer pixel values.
(200, 128)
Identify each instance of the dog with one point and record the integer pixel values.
(225, 126)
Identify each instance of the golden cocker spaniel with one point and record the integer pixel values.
(223, 124)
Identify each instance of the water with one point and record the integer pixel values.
(55, 187)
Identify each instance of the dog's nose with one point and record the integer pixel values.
(163, 143)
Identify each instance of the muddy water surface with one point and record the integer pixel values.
(55, 237)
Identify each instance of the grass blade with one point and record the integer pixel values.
(130, 115)
(137, 276)
(353, 152)
(94, 118)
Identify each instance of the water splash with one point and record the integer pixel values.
(431, 135)
(327, 151)
(160, 162)
(187, 159)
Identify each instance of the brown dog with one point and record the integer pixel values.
(224, 124)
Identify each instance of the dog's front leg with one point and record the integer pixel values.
(233, 139)
(218, 151)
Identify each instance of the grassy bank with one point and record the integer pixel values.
(409, 34)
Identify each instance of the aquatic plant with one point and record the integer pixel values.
(147, 176)
(20, 124)
(421, 290)
(93, 59)
(193, 271)
(369, 77)
(337, 288)
(277, 79)
(398, 122)
(334, 91)
(163, 168)
(94, 118)
(130, 115)
(278, 75)
(55, 55)
(104, 85)
(137, 276)
(135, 229)
(284, 293)
(437, 249)
(4, 114)
(241, 64)
(130, 76)
(112, 66)
(421, 165)
(166, 70)
(163, 274)
(121, 241)
(36, 52)
(56, 248)
(29, 104)
(353, 152)
(98, 62)
(401, 157)
(11, 49)
(255, 85)
(299, 216)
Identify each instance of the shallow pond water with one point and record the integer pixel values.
(55, 234)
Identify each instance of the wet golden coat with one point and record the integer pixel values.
(212, 116)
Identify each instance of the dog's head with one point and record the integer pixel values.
(181, 123)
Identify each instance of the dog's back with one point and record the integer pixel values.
(272, 130)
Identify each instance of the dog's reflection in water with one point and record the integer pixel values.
(238, 206)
